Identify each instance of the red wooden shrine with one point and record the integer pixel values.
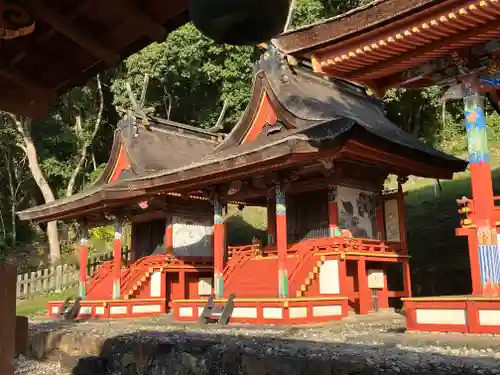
(315, 153)
(415, 44)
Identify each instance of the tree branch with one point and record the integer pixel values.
(84, 150)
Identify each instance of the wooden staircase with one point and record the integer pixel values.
(311, 276)
(140, 272)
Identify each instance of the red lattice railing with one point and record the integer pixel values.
(239, 255)
(100, 273)
(467, 210)
(303, 252)
(142, 265)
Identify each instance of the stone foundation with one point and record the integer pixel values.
(85, 355)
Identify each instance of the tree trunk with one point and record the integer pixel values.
(28, 146)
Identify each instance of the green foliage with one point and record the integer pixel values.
(190, 78)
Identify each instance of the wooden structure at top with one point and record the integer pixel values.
(315, 153)
(415, 44)
(87, 37)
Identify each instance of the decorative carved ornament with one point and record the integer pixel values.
(328, 163)
(15, 21)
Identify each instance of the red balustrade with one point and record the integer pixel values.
(466, 209)
(238, 256)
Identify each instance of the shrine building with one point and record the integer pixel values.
(415, 44)
(314, 152)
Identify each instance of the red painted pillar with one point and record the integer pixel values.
(84, 247)
(117, 259)
(475, 270)
(482, 193)
(169, 237)
(182, 284)
(333, 214)
(364, 291)
(271, 219)
(407, 278)
(218, 248)
(281, 241)
(343, 290)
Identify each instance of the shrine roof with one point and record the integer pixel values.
(322, 118)
(72, 41)
(407, 43)
(160, 145)
(348, 25)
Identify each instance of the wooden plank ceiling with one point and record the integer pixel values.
(72, 41)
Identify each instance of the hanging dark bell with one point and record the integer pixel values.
(239, 22)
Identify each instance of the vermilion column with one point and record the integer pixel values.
(333, 215)
(363, 289)
(117, 259)
(169, 237)
(281, 241)
(84, 247)
(407, 278)
(482, 194)
(218, 249)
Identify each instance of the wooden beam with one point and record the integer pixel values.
(141, 21)
(23, 80)
(39, 39)
(43, 12)
(392, 64)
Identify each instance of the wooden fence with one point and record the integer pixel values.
(58, 278)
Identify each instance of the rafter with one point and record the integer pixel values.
(23, 80)
(42, 11)
(393, 63)
(79, 9)
(132, 14)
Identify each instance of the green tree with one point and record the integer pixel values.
(190, 78)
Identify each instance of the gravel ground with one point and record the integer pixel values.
(26, 366)
(376, 340)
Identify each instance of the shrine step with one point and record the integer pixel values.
(212, 314)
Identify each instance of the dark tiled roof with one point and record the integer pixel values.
(340, 28)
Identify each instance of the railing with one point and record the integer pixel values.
(94, 262)
(360, 245)
(466, 209)
(99, 275)
(239, 255)
(138, 268)
(308, 235)
(303, 254)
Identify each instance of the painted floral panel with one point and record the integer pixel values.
(357, 211)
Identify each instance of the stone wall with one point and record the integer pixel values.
(131, 355)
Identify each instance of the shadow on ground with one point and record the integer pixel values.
(252, 350)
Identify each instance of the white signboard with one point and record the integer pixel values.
(376, 279)
(329, 277)
(192, 238)
(205, 286)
